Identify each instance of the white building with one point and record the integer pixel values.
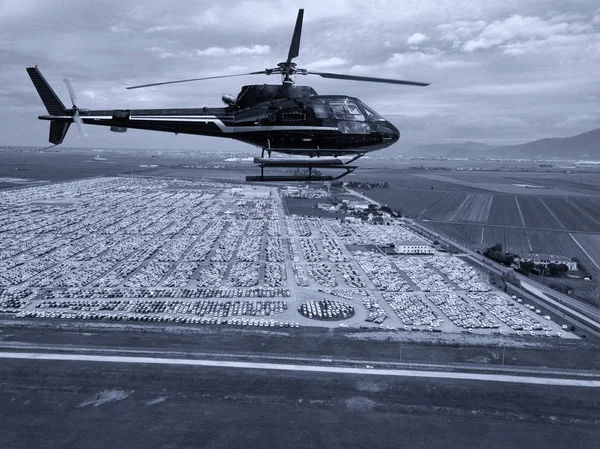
(547, 259)
(413, 247)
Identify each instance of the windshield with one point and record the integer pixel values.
(370, 113)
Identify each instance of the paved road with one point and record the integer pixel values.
(368, 370)
(330, 344)
(55, 404)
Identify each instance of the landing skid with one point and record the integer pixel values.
(309, 163)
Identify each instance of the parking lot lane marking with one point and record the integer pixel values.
(583, 249)
(304, 368)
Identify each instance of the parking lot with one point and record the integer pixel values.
(167, 250)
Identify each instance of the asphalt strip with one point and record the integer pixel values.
(305, 368)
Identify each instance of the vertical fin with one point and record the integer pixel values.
(48, 96)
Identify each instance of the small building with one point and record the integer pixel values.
(413, 247)
(547, 259)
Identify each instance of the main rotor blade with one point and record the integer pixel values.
(262, 72)
(370, 79)
(295, 45)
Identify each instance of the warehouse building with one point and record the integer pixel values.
(413, 247)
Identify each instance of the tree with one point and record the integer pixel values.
(557, 269)
(528, 266)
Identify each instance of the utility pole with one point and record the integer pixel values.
(503, 351)
(400, 350)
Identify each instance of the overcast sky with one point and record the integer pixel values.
(502, 71)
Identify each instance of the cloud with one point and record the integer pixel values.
(513, 30)
(220, 51)
(163, 28)
(409, 58)
(120, 28)
(459, 30)
(327, 63)
(417, 39)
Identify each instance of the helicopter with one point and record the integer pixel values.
(315, 131)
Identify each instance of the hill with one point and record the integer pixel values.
(464, 149)
(581, 146)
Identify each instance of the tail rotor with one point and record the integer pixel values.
(76, 117)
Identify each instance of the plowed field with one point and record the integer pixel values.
(503, 211)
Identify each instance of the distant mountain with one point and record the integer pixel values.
(464, 149)
(581, 146)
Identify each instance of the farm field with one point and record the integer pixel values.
(571, 216)
(503, 211)
(455, 206)
(413, 179)
(591, 244)
(536, 214)
(409, 202)
(589, 207)
(476, 208)
(469, 235)
(513, 240)
(416, 208)
(445, 209)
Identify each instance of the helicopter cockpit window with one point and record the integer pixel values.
(346, 110)
(371, 114)
(319, 109)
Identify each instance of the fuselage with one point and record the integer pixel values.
(319, 125)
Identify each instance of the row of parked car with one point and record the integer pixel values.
(351, 276)
(275, 274)
(422, 274)
(459, 272)
(326, 309)
(107, 316)
(462, 312)
(381, 272)
(411, 310)
(321, 273)
(162, 292)
(510, 312)
(16, 298)
(203, 308)
(340, 292)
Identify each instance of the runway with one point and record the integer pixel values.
(370, 371)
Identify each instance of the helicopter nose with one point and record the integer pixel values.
(389, 133)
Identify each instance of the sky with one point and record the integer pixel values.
(501, 71)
